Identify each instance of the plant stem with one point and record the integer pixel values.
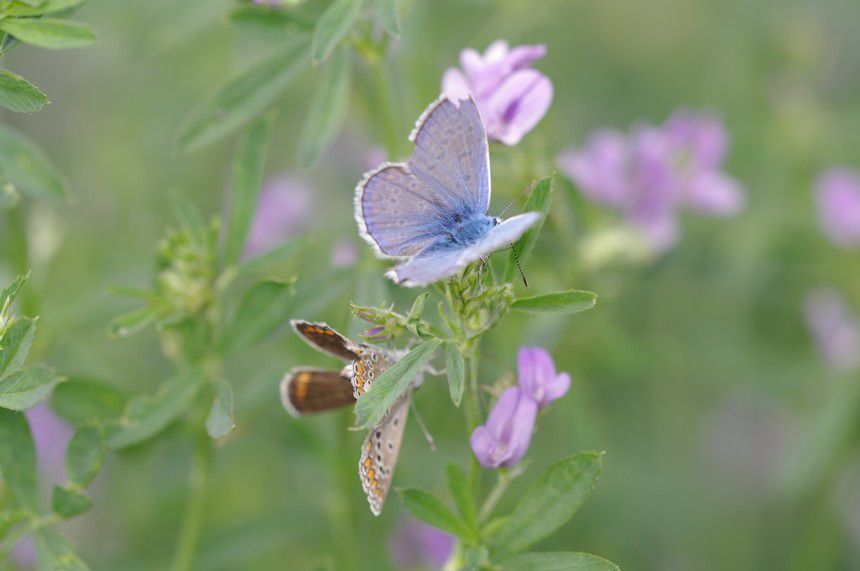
(189, 533)
(19, 256)
(495, 495)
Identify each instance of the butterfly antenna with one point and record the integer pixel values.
(517, 199)
(519, 267)
(423, 426)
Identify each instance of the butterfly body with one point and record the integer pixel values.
(308, 391)
(431, 211)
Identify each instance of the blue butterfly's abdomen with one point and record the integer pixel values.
(462, 229)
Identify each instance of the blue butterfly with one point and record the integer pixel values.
(431, 211)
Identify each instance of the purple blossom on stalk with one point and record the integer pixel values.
(537, 376)
(283, 210)
(837, 195)
(653, 172)
(505, 438)
(834, 328)
(417, 545)
(511, 96)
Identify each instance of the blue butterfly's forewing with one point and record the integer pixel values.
(452, 156)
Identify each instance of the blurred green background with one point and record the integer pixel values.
(730, 444)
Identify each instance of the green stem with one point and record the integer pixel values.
(496, 494)
(19, 256)
(472, 410)
(189, 533)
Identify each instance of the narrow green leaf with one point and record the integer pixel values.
(8, 295)
(264, 18)
(15, 345)
(25, 388)
(84, 455)
(46, 7)
(428, 508)
(463, 497)
(551, 501)
(80, 401)
(67, 502)
(56, 552)
(248, 171)
(263, 309)
(18, 458)
(48, 32)
(416, 312)
(19, 95)
(277, 255)
(26, 166)
(335, 23)
(558, 561)
(571, 301)
(539, 201)
(391, 384)
(389, 15)
(220, 421)
(243, 98)
(130, 323)
(328, 109)
(455, 367)
(9, 518)
(147, 415)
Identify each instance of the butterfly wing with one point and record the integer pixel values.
(380, 451)
(402, 208)
(307, 391)
(433, 265)
(451, 154)
(370, 363)
(396, 212)
(323, 338)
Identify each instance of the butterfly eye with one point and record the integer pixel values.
(496, 220)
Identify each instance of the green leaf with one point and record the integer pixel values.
(19, 95)
(428, 508)
(417, 309)
(551, 501)
(275, 256)
(243, 97)
(455, 367)
(558, 561)
(67, 502)
(132, 322)
(269, 18)
(15, 345)
(328, 109)
(56, 552)
(26, 166)
(79, 401)
(48, 32)
(10, 518)
(463, 497)
(18, 458)
(571, 301)
(539, 201)
(220, 422)
(147, 415)
(335, 23)
(8, 295)
(46, 7)
(84, 455)
(248, 171)
(388, 387)
(263, 309)
(25, 388)
(389, 15)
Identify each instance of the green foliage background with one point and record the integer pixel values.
(695, 374)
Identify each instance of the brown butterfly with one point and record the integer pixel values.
(307, 391)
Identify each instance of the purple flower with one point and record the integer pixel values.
(417, 545)
(51, 436)
(537, 376)
(653, 172)
(511, 96)
(505, 438)
(834, 328)
(837, 194)
(283, 210)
